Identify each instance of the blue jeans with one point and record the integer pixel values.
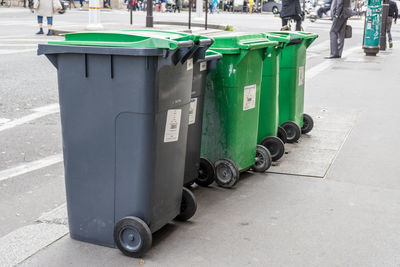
(49, 20)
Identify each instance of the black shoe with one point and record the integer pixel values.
(50, 32)
(330, 57)
(40, 31)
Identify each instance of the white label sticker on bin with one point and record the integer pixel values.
(172, 125)
(249, 97)
(301, 75)
(189, 63)
(192, 110)
(203, 66)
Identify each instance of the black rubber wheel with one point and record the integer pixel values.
(263, 159)
(132, 236)
(293, 131)
(206, 173)
(188, 206)
(308, 124)
(275, 147)
(275, 10)
(282, 134)
(226, 173)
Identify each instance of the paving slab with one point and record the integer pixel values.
(315, 152)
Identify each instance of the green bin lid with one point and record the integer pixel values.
(295, 35)
(233, 43)
(170, 35)
(123, 39)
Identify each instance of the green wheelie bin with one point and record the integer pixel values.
(291, 84)
(231, 108)
(269, 134)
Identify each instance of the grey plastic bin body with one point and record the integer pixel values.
(193, 149)
(124, 116)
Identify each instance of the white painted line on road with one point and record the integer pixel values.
(30, 166)
(17, 45)
(4, 120)
(314, 71)
(15, 51)
(24, 242)
(39, 113)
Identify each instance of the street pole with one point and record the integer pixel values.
(131, 9)
(190, 14)
(206, 22)
(149, 16)
(385, 12)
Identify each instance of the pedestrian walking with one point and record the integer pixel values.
(392, 17)
(340, 12)
(46, 8)
(291, 10)
(215, 6)
(163, 5)
(177, 6)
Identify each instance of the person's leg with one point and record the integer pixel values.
(284, 22)
(40, 22)
(341, 35)
(333, 34)
(50, 25)
(298, 22)
(388, 30)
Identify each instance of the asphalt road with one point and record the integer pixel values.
(30, 125)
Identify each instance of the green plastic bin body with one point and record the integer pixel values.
(231, 109)
(292, 75)
(269, 96)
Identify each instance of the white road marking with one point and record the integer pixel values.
(15, 51)
(314, 71)
(24, 242)
(14, 45)
(29, 167)
(4, 120)
(39, 112)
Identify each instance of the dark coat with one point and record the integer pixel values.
(341, 9)
(290, 8)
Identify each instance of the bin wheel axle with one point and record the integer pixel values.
(263, 159)
(188, 206)
(308, 124)
(132, 236)
(206, 173)
(275, 146)
(293, 131)
(226, 173)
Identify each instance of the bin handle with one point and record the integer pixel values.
(205, 42)
(183, 44)
(256, 44)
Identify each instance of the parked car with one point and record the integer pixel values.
(272, 6)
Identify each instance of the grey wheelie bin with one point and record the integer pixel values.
(124, 104)
(197, 169)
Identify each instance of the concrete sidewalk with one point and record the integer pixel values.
(347, 217)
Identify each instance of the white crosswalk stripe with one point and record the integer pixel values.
(22, 44)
